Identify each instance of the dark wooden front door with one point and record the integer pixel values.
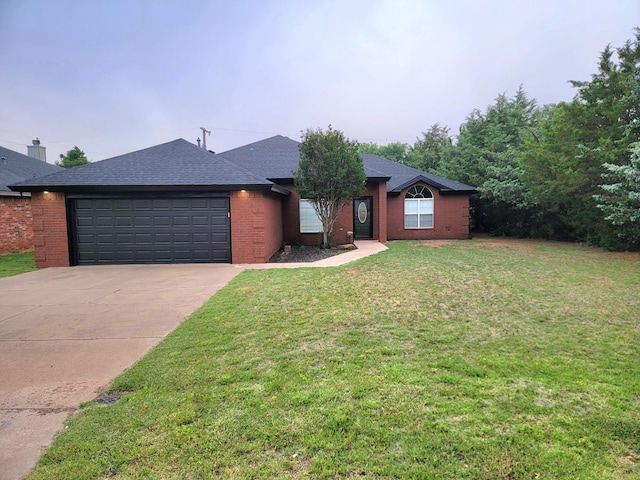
(363, 217)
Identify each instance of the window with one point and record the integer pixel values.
(309, 220)
(418, 208)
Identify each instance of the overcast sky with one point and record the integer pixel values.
(115, 76)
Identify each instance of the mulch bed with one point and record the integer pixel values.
(302, 253)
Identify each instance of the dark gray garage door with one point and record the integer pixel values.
(151, 230)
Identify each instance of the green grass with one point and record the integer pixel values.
(470, 360)
(16, 263)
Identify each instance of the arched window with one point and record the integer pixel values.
(418, 208)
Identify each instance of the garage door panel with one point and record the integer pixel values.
(142, 230)
(183, 203)
(162, 220)
(218, 221)
(105, 238)
(181, 220)
(125, 256)
(124, 221)
(144, 238)
(162, 204)
(143, 221)
(122, 205)
(201, 237)
(163, 238)
(106, 257)
(124, 239)
(104, 221)
(85, 221)
(103, 205)
(181, 238)
(140, 204)
(200, 220)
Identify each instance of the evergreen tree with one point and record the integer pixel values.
(73, 158)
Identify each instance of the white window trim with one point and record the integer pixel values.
(309, 220)
(426, 202)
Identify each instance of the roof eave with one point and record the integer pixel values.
(140, 188)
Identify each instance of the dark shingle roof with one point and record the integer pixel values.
(184, 165)
(16, 167)
(276, 158)
(173, 164)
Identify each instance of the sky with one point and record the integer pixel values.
(115, 76)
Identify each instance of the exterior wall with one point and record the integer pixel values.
(344, 223)
(256, 226)
(382, 207)
(50, 229)
(16, 230)
(450, 217)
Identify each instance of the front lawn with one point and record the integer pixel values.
(16, 263)
(481, 359)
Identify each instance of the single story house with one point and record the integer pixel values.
(16, 226)
(176, 202)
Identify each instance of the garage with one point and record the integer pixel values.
(147, 229)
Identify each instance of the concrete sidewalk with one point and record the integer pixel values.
(65, 333)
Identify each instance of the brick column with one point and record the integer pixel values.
(50, 229)
(382, 212)
(256, 226)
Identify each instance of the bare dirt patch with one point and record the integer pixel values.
(436, 243)
(519, 244)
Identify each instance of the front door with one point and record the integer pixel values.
(363, 217)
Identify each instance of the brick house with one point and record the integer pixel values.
(176, 202)
(16, 226)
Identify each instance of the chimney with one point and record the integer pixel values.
(37, 151)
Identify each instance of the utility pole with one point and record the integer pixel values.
(204, 137)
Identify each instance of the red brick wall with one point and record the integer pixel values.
(450, 217)
(50, 229)
(380, 206)
(16, 232)
(256, 226)
(344, 223)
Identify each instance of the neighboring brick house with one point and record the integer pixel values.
(16, 227)
(178, 203)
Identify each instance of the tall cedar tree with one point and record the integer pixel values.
(73, 158)
(330, 175)
(564, 164)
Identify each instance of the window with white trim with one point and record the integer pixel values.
(418, 208)
(309, 220)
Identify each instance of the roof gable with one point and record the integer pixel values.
(403, 176)
(173, 164)
(16, 167)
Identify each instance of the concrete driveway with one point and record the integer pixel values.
(65, 333)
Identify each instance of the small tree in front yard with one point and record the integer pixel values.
(330, 175)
